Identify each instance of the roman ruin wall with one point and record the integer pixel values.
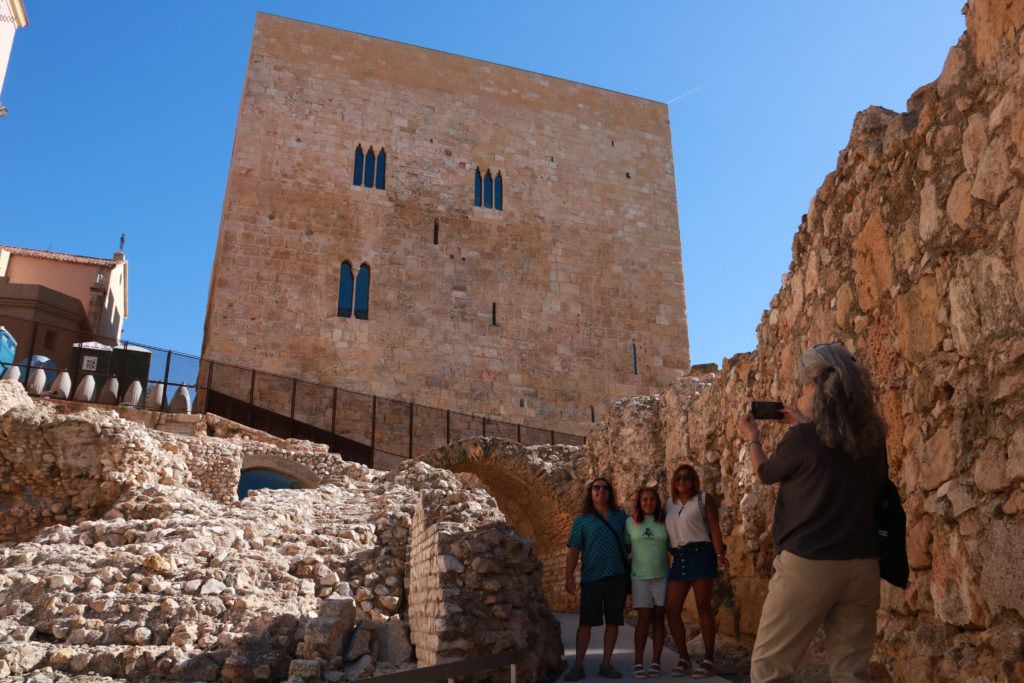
(126, 554)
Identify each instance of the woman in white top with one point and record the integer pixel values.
(697, 551)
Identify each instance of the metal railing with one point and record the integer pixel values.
(362, 427)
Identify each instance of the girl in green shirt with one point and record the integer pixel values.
(648, 540)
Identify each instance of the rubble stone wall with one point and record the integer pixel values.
(125, 553)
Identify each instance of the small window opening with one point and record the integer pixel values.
(357, 173)
(345, 291)
(494, 313)
(362, 307)
(382, 162)
(50, 340)
(592, 407)
(488, 190)
(522, 403)
(634, 359)
(497, 192)
(370, 166)
(437, 228)
(627, 175)
(477, 188)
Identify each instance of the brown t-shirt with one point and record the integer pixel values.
(826, 504)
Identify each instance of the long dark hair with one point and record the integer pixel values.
(588, 501)
(843, 409)
(638, 513)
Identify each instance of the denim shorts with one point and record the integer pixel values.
(693, 561)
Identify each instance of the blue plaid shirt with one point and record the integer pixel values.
(599, 548)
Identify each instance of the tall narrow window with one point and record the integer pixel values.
(363, 292)
(497, 191)
(477, 188)
(437, 229)
(357, 174)
(345, 291)
(488, 188)
(494, 313)
(382, 162)
(368, 176)
(634, 351)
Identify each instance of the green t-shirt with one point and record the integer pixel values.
(649, 543)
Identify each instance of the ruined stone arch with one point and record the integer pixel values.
(283, 465)
(539, 500)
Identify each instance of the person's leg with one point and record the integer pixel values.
(850, 625)
(675, 595)
(659, 635)
(800, 594)
(643, 627)
(582, 643)
(611, 633)
(706, 613)
(614, 606)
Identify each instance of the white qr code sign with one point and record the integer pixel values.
(89, 363)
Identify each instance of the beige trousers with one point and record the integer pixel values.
(842, 594)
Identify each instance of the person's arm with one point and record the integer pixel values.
(716, 532)
(748, 428)
(572, 557)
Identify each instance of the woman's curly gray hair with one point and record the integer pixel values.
(843, 410)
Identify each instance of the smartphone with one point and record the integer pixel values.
(766, 410)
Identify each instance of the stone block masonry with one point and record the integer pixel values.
(526, 314)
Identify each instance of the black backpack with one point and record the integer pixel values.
(891, 522)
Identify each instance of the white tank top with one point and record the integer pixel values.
(684, 522)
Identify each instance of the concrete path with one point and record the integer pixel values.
(622, 659)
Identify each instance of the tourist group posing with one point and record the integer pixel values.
(830, 466)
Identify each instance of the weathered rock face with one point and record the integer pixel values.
(912, 254)
(127, 556)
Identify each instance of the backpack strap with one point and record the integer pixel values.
(618, 543)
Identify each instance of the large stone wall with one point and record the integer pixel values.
(125, 554)
(582, 263)
(912, 254)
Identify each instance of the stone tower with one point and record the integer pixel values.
(462, 235)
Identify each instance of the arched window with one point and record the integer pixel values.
(368, 175)
(357, 173)
(477, 187)
(488, 188)
(497, 191)
(382, 162)
(345, 291)
(437, 229)
(363, 292)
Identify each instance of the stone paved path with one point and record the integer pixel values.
(622, 659)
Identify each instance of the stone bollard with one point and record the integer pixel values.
(86, 388)
(36, 382)
(155, 398)
(108, 394)
(61, 387)
(133, 397)
(12, 372)
(181, 402)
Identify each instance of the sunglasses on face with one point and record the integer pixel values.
(684, 477)
(601, 487)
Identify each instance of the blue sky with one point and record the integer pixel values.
(122, 118)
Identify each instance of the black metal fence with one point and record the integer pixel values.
(361, 427)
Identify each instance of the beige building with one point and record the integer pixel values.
(12, 17)
(48, 300)
(463, 235)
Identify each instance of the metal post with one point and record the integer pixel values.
(291, 411)
(513, 674)
(334, 411)
(373, 428)
(410, 431)
(167, 373)
(252, 390)
(552, 437)
(31, 352)
(519, 433)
